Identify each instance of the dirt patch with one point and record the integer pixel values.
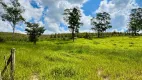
(34, 77)
(101, 75)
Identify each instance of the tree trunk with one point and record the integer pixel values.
(135, 32)
(34, 42)
(35, 39)
(73, 35)
(13, 34)
(98, 33)
(103, 33)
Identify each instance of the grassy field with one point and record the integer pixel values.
(113, 58)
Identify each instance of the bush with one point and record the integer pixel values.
(2, 40)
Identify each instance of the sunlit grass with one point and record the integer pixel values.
(116, 58)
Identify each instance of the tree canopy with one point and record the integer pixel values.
(73, 17)
(34, 31)
(101, 22)
(13, 13)
(135, 24)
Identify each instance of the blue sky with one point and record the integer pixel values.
(49, 13)
(90, 6)
(139, 2)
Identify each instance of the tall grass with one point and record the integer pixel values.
(115, 58)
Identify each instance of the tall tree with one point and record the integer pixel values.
(12, 13)
(72, 17)
(101, 22)
(135, 24)
(34, 31)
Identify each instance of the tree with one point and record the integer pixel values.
(135, 24)
(72, 17)
(34, 31)
(12, 13)
(101, 22)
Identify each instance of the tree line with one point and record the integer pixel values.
(100, 23)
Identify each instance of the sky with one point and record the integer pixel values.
(49, 13)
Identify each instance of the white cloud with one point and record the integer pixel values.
(30, 11)
(119, 11)
(55, 14)
(86, 20)
(5, 27)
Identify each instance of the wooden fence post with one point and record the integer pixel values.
(12, 67)
(6, 65)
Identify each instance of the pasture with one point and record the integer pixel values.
(111, 58)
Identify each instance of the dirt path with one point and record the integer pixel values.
(34, 77)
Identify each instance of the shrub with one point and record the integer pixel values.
(2, 40)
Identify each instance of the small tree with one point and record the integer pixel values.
(34, 31)
(101, 22)
(135, 24)
(12, 13)
(72, 17)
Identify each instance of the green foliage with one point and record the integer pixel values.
(1, 39)
(135, 24)
(72, 17)
(6, 36)
(12, 13)
(64, 36)
(101, 22)
(34, 31)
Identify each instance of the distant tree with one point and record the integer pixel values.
(12, 13)
(34, 31)
(101, 22)
(72, 17)
(135, 24)
(87, 36)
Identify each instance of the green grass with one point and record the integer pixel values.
(116, 58)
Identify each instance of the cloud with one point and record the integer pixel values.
(86, 20)
(30, 11)
(119, 11)
(49, 14)
(54, 14)
(5, 27)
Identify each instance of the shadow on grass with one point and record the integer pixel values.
(54, 59)
(65, 42)
(63, 72)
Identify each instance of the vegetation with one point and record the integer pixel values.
(101, 22)
(12, 13)
(72, 17)
(116, 58)
(135, 24)
(34, 31)
(5, 36)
